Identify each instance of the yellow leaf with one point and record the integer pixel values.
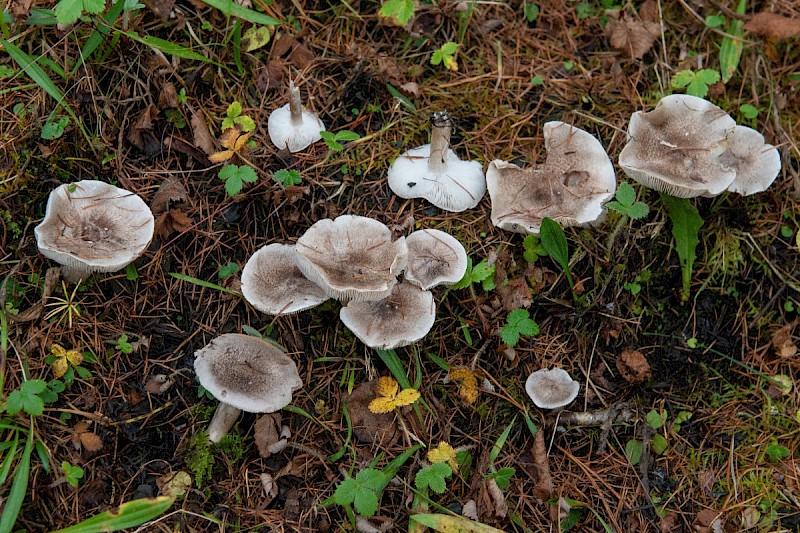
(406, 397)
(467, 384)
(74, 356)
(387, 387)
(219, 157)
(450, 62)
(443, 453)
(60, 367)
(58, 350)
(382, 405)
(453, 524)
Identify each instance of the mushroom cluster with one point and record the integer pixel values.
(689, 147)
(577, 178)
(92, 226)
(354, 260)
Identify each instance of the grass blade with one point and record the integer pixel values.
(731, 49)
(203, 283)
(98, 35)
(392, 362)
(18, 487)
(129, 514)
(167, 47)
(231, 8)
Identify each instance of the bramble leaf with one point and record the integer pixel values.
(433, 477)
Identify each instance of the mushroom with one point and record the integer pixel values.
(292, 127)
(434, 172)
(576, 179)
(402, 318)
(757, 163)
(678, 147)
(245, 374)
(434, 258)
(351, 257)
(91, 226)
(551, 388)
(273, 284)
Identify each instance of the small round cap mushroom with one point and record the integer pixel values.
(434, 172)
(676, 148)
(273, 284)
(757, 163)
(551, 388)
(292, 127)
(434, 258)
(245, 374)
(400, 319)
(351, 257)
(577, 178)
(92, 226)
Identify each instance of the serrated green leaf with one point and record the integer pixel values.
(433, 477)
(708, 76)
(68, 11)
(227, 171)
(346, 492)
(697, 88)
(683, 78)
(400, 11)
(233, 186)
(94, 6)
(234, 110)
(247, 174)
(246, 123)
(482, 271)
(715, 21)
(503, 477)
(449, 48)
(509, 335)
(625, 194)
(638, 210)
(54, 129)
(347, 135)
(371, 478)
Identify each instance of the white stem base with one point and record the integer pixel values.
(222, 422)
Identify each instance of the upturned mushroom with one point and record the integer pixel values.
(273, 284)
(551, 388)
(577, 178)
(434, 172)
(352, 258)
(400, 319)
(293, 127)
(245, 374)
(678, 147)
(92, 226)
(434, 258)
(755, 162)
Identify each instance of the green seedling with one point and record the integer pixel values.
(481, 273)
(519, 323)
(626, 204)
(398, 11)
(234, 118)
(123, 345)
(445, 55)
(54, 128)
(228, 270)
(27, 398)
(715, 21)
(287, 178)
(730, 51)
(235, 177)
(555, 242)
(531, 11)
(696, 83)
(335, 140)
(73, 474)
(748, 111)
(69, 11)
(6, 72)
(775, 452)
(362, 491)
(533, 248)
(686, 224)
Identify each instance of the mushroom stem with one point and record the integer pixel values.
(74, 274)
(222, 422)
(295, 105)
(440, 141)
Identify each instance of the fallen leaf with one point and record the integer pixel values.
(633, 366)
(467, 384)
(282, 45)
(543, 481)
(168, 97)
(389, 398)
(174, 484)
(369, 427)
(202, 137)
(171, 194)
(453, 524)
(270, 487)
(160, 8)
(515, 294)
(83, 438)
(267, 433)
(270, 76)
(159, 384)
(141, 135)
(772, 25)
(301, 56)
(782, 341)
(255, 37)
(669, 523)
(232, 139)
(630, 34)
(707, 521)
(21, 8)
(411, 88)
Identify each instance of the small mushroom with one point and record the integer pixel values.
(677, 147)
(551, 388)
(292, 127)
(400, 319)
(434, 258)
(245, 374)
(273, 284)
(756, 163)
(351, 257)
(91, 226)
(576, 179)
(434, 172)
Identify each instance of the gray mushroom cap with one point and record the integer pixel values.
(400, 319)
(551, 388)
(677, 147)
(434, 258)
(757, 163)
(273, 284)
(351, 257)
(247, 373)
(571, 187)
(92, 226)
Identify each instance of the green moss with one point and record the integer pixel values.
(200, 460)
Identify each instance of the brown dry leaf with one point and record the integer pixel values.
(168, 97)
(232, 139)
(669, 523)
(516, 294)
(633, 366)
(159, 384)
(160, 8)
(174, 484)
(267, 432)
(772, 25)
(707, 479)
(498, 499)
(141, 135)
(631, 34)
(21, 8)
(270, 76)
(707, 521)
(83, 438)
(387, 69)
(282, 45)
(301, 56)
(370, 427)
(171, 194)
(411, 88)
(202, 137)
(467, 384)
(782, 341)
(543, 481)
